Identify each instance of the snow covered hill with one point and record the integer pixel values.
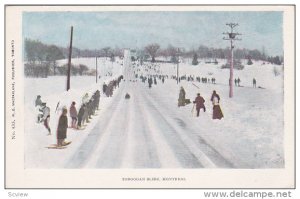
(150, 131)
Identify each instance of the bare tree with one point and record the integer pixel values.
(106, 51)
(152, 50)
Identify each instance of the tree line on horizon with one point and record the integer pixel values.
(41, 59)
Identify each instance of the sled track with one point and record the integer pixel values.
(112, 153)
(208, 156)
(82, 154)
(147, 150)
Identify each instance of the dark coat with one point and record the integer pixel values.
(81, 112)
(217, 112)
(62, 127)
(199, 102)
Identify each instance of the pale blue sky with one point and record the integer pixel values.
(95, 30)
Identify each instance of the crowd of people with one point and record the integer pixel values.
(108, 89)
(78, 119)
(150, 74)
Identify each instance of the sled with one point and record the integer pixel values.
(80, 129)
(56, 147)
(67, 143)
(187, 101)
(127, 96)
(261, 87)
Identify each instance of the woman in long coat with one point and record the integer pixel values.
(62, 128)
(217, 112)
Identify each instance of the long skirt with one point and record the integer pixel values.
(217, 112)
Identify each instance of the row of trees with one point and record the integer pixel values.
(38, 54)
(44, 70)
(37, 51)
(204, 52)
(41, 60)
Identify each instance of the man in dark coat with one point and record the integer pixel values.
(217, 112)
(199, 101)
(238, 81)
(104, 88)
(80, 115)
(150, 82)
(254, 83)
(62, 128)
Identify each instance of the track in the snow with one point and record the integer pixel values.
(109, 139)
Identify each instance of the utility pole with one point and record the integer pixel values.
(231, 37)
(177, 65)
(96, 69)
(69, 61)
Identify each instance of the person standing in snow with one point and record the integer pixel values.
(97, 98)
(150, 82)
(73, 115)
(199, 101)
(39, 106)
(46, 117)
(238, 81)
(85, 98)
(181, 99)
(215, 99)
(254, 83)
(62, 128)
(80, 115)
(38, 101)
(104, 88)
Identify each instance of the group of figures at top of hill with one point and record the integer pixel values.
(78, 119)
(199, 102)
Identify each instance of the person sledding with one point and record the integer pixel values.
(217, 112)
(199, 101)
(62, 129)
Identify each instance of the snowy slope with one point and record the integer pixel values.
(150, 131)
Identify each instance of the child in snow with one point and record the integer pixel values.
(73, 115)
